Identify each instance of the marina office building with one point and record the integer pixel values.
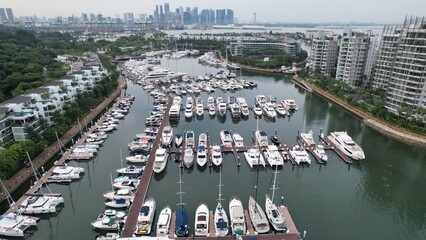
(401, 65)
(238, 46)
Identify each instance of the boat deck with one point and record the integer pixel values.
(309, 148)
(329, 145)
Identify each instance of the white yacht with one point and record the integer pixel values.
(118, 203)
(222, 108)
(236, 212)
(189, 111)
(130, 170)
(106, 222)
(273, 157)
(108, 236)
(261, 138)
(281, 110)
(257, 216)
(146, 217)
(216, 154)
(260, 100)
(128, 184)
(178, 140)
(290, 105)
(174, 112)
(253, 157)
(299, 155)
(189, 139)
(188, 157)
(167, 135)
(199, 109)
(308, 138)
(269, 110)
(225, 137)
(14, 225)
(257, 110)
(139, 158)
(40, 204)
(160, 161)
(202, 221)
(345, 143)
(163, 223)
(65, 172)
(120, 194)
(212, 110)
(319, 152)
(235, 110)
(238, 140)
(202, 150)
(244, 109)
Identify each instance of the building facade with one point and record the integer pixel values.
(323, 54)
(239, 45)
(401, 65)
(352, 59)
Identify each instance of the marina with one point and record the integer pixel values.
(96, 177)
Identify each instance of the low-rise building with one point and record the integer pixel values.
(239, 45)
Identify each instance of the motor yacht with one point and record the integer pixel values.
(281, 110)
(257, 110)
(212, 110)
(188, 157)
(319, 152)
(163, 223)
(146, 217)
(167, 135)
(160, 160)
(269, 110)
(178, 140)
(290, 105)
(118, 203)
(216, 155)
(65, 172)
(345, 143)
(253, 158)
(261, 138)
(189, 111)
(202, 151)
(273, 157)
(299, 155)
(236, 212)
(238, 140)
(138, 158)
(202, 221)
(119, 194)
(130, 170)
(225, 137)
(235, 110)
(222, 109)
(308, 138)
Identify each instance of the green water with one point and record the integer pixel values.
(380, 197)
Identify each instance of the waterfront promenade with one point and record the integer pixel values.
(377, 124)
(51, 151)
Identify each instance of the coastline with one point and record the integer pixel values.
(19, 178)
(397, 133)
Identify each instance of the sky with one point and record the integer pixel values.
(291, 11)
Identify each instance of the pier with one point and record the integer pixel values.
(132, 217)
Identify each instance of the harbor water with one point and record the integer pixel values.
(380, 197)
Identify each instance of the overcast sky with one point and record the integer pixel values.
(318, 11)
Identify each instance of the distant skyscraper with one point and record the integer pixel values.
(220, 16)
(10, 16)
(352, 58)
(84, 17)
(3, 16)
(166, 9)
(92, 17)
(194, 15)
(401, 68)
(229, 19)
(161, 14)
(129, 18)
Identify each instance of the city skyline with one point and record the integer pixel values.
(307, 11)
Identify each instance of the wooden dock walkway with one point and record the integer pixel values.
(130, 225)
(329, 145)
(212, 229)
(249, 225)
(45, 178)
(172, 226)
(288, 220)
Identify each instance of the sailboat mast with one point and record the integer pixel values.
(220, 186)
(273, 185)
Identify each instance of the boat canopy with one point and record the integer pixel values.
(221, 223)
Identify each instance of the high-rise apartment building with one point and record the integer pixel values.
(401, 65)
(229, 19)
(323, 54)
(10, 16)
(352, 57)
(129, 18)
(3, 16)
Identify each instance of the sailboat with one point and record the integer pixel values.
(182, 228)
(257, 215)
(14, 224)
(40, 203)
(221, 223)
(274, 215)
